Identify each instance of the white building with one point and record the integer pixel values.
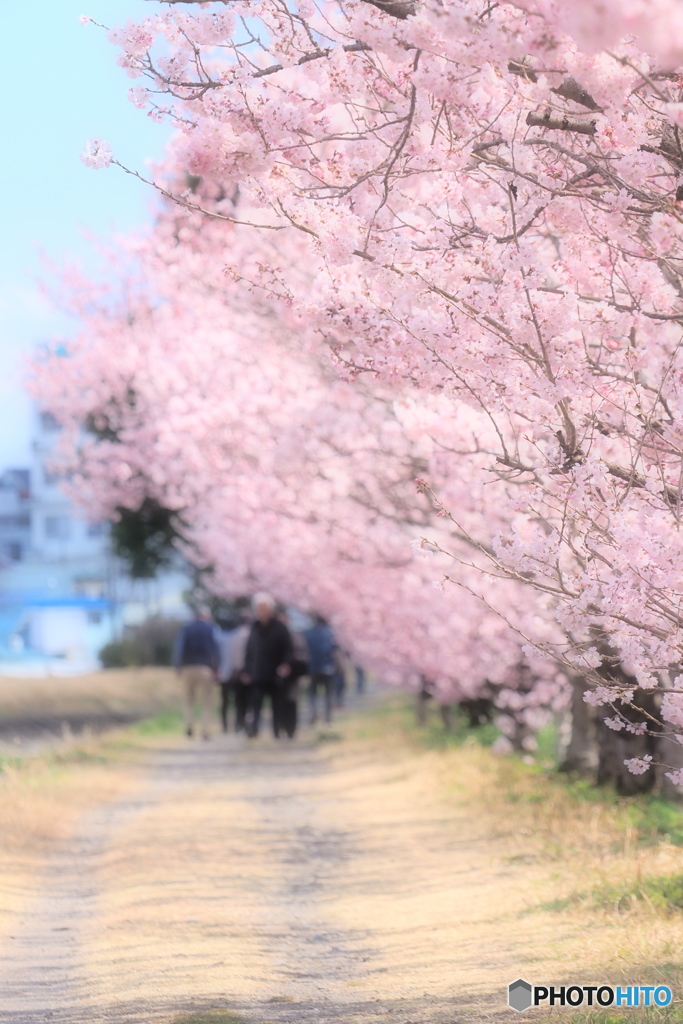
(63, 595)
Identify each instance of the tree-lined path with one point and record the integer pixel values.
(313, 882)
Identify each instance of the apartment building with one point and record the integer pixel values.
(63, 594)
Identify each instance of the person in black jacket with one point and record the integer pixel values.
(267, 663)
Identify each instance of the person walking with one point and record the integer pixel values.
(232, 645)
(267, 663)
(322, 648)
(298, 663)
(196, 662)
(339, 660)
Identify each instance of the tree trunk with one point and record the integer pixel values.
(424, 695)
(446, 714)
(671, 753)
(479, 710)
(581, 751)
(616, 747)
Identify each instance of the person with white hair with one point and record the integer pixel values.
(267, 662)
(196, 661)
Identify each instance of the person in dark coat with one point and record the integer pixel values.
(290, 688)
(267, 663)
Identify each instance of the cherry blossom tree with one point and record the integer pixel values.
(490, 195)
(200, 397)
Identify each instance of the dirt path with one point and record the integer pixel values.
(289, 883)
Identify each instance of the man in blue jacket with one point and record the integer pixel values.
(196, 662)
(322, 653)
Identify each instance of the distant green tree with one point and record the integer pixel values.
(145, 538)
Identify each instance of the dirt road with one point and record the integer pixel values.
(323, 882)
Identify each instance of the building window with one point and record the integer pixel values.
(51, 478)
(57, 527)
(94, 618)
(15, 522)
(13, 551)
(89, 587)
(96, 529)
(48, 423)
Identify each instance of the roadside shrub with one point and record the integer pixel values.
(150, 643)
(118, 654)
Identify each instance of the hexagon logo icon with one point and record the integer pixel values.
(519, 995)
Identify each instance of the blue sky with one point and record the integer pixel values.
(61, 86)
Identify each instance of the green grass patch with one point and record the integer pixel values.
(436, 736)
(329, 736)
(656, 819)
(548, 745)
(663, 894)
(168, 721)
(396, 713)
(650, 820)
(76, 755)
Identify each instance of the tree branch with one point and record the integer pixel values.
(400, 9)
(314, 55)
(571, 90)
(563, 124)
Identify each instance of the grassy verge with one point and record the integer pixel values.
(613, 865)
(535, 792)
(663, 894)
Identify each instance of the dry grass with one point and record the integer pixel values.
(133, 692)
(583, 862)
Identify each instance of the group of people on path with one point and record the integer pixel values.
(258, 661)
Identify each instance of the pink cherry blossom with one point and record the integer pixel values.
(97, 154)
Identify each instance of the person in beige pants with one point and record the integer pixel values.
(199, 686)
(196, 660)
